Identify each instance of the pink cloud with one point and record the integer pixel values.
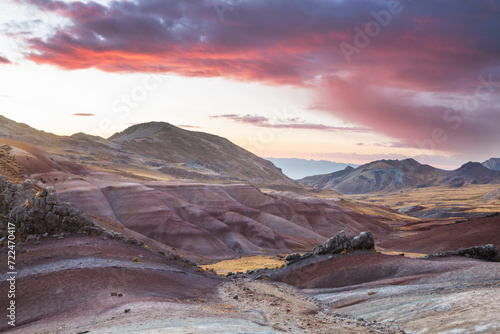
(189, 126)
(428, 47)
(421, 127)
(4, 60)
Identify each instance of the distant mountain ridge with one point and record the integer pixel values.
(390, 175)
(299, 168)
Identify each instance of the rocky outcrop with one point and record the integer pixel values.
(40, 213)
(488, 253)
(337, 244)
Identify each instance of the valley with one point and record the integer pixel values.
(144, 232)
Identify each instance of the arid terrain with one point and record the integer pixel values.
(114, 238)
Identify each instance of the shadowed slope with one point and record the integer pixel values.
(447, 238)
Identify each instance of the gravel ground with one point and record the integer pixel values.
(286, 309)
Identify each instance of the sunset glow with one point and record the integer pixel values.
(347, 81)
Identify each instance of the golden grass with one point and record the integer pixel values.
(410, 255)
(244, 263)
(470, 195)
(384, 213)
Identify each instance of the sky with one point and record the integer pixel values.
(347, 81)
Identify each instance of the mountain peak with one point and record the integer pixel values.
(471, 165)
(493, 164)
(143, 130)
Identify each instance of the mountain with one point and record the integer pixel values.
(299, 168)
(471, 172)
(389, 175)
(156, 151)
(493, 164)
(381, 175)
(326, 180)
(197, 152)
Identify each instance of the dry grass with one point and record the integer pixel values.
(244, 263)
(410, 255)
(467, 195)
(386, 214)
(470, 197)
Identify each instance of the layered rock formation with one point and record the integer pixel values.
(335, 245)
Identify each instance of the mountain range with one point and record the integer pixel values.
(390, 175)
(161, 151)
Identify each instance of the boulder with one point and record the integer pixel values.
(292, 258)
(335, 245)
(364, 241)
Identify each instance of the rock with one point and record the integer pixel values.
(40, 213)
(292, 258)
(27, 184)
(364, 241)
(306, 256)
(319, 250)
(336, 244)
(488, 253)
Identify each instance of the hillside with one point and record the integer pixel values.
(155, 151)
(199, 154)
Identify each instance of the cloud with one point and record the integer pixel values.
(189, 126)
(290, 123)
(427, 45)
(394, 144)
(402, 80)
(83, 114)
(4, 60)
(434, 127)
